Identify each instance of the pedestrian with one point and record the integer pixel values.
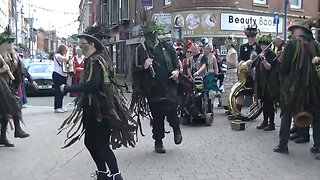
(10, 104)
(231, 74)
(212, 60)
(179, 51)
(186, 87)
(198, 61)
(59, 77)
(155, 72)
(101, 109)
(300, 83)
(216, 52)
(267, 82)
(78, 61)
(21, 89)
(211, 78)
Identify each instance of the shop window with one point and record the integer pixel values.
(295, 4)
(125, 9)
(167, 2)
(115, 12)
(120, 56)
(260, 1)
(104, 10)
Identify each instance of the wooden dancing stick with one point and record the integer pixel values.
(9, 72)
(153, 73)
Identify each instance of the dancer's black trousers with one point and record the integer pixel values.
(97, 141)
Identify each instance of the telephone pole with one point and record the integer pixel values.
(285, 19)
(16, 20)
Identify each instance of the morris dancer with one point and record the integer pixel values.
(160, 88)
(101, 109)
(10, 103)
(300, 83)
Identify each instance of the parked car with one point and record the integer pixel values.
(41, 73)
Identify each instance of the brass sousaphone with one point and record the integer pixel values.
(255, 109)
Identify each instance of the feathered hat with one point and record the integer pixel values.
(305, 24)
(6, 36)
(251, 30)
(230, 41)
(188, 45)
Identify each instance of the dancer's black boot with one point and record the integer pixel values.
(116, 176)
(3, 137)
(18, 132)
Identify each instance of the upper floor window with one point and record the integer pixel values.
(167, 2)
(260, 1)
(296, 4)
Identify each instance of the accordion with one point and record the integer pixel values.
(68, 67)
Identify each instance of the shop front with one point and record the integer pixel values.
(217, 25)
(117, 50)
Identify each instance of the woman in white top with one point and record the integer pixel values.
(231, 74)
(59, 77)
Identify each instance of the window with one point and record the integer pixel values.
(115, 13)
(167, 2)
(295, 4)
(260, 1)
(125, 9)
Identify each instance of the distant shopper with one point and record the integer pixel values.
(59, 77)
(78, 61)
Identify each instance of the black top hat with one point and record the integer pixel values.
(251, 30)
(98, 45)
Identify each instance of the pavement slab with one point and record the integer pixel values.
(207, 152)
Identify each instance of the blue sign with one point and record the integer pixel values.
(276, 18)
(146, 2)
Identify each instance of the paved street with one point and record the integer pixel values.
(214, 152)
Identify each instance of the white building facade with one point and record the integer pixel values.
(4, 14)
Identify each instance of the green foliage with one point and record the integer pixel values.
(152, 28)
(266, 39)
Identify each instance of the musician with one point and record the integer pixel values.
(267, 82)
(78, 61)
(248, 51)
(300, 83)
(59, 77)
(160, 90)
(10, 103)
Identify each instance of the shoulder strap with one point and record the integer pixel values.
(54, 57)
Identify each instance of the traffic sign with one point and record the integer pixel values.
(276, 18)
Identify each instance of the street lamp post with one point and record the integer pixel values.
(16, 20)
(285, 19)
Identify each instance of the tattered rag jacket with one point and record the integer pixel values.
(100, 99)
(300, 86)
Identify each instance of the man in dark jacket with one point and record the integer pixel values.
(155, 73)
(299, 95)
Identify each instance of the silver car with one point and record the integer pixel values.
(41, 73)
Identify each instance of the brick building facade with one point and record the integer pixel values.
(211, 19)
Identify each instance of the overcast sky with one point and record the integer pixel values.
(63, 23)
